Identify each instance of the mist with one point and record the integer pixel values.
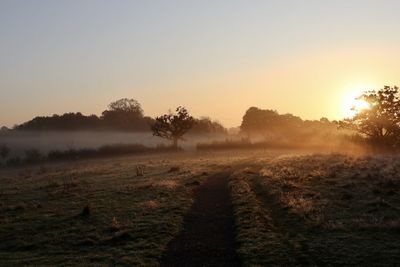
(44, 142)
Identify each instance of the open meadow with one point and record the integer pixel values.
(318, 210)
(292, 209)
(98, 212)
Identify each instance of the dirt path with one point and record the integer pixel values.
(207, 238)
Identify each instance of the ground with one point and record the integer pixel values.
(276, 208)
(318, 210)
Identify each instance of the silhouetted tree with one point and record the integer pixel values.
(122, 115)
(256, 120)
(285, 129)
(173, 126)
(380, 123)
(66, 122)
(267, 121)
(125, 114)
(205, 125)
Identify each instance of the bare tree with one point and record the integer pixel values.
(173, 126)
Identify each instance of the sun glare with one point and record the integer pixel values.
(352, 105)
(360, 104)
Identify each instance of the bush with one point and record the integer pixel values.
(107, 151)
(15, 161)
(121, 149)
(33, 156)
(71, 154)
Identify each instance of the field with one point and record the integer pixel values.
(318, 210)
(289, 209)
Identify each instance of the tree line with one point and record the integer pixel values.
(377, 126)
(122, 115)
(270, 125)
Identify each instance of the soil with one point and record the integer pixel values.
(208, 235)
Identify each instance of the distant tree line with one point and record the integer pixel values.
(269, 123)
(270, 129)
(121, 115)
(376, 126)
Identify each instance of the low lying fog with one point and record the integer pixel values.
(19, 142)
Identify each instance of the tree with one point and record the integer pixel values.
(65, 122)
(124, 114)
(264, 121)
(173, 126)
(380, 123)
(204, 125)
(126, 105)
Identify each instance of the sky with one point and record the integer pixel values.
(217, 58)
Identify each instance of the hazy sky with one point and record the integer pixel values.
(217, 58)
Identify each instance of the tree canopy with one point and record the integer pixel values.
(122, 115)
(379, 124)
(286, 129)
(205, 125)
(173, 126)
(126, 114)
(262, 121)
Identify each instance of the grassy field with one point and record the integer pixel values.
(290, 210)
(131, 218)
(318, 210)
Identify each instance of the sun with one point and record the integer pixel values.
(360, 104)
(353, 105)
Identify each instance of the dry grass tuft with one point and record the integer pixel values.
(149, 204)
(174, 169)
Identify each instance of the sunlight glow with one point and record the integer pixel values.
(351, 105)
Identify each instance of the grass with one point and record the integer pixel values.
(98, 212)
(324, 210)
(290, 210)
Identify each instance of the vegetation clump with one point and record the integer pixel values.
(379, 124)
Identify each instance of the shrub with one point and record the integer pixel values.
(15, 161)
(33, 156)
(106, 151)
